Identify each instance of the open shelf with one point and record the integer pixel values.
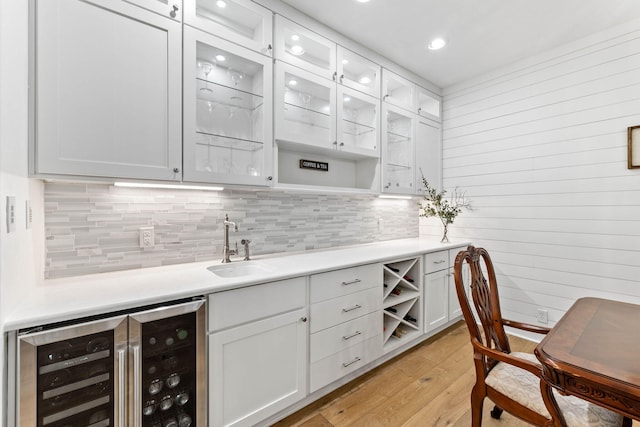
(401, 302)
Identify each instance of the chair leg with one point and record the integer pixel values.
(626, 422)
(477, 400)
(496, 412)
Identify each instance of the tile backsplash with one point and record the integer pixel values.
(93, 228)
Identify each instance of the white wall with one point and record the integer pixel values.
(540, 147)
(21, 251)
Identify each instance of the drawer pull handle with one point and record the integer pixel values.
(355, 307)
(347, 364)
(355, 334)
(351, 282)
(440, 261)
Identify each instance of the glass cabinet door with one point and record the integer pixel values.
(240, 21)
(301, 47)
(304, 107)
(428, 104)
(398, 130)
(227, 114)
(358, 73)
(398, 91)
(358, 118)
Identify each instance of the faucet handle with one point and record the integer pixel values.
(246, 242)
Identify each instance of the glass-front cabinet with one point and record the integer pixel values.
(357, 72)
(398, 158)
(296, 45)
(357, 121)
(304, 107)
(241, 21)
(227, 113)
(428, 104)
(398, 91)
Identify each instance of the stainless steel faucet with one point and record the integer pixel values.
(226, 252)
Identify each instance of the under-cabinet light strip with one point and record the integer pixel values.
(167, 186)
(392, 196)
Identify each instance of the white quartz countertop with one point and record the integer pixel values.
(76, 297)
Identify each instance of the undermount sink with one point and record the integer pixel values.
(239, 269)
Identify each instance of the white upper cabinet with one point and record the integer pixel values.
(296, 45)
(357, 72)
(428, 154)
(240, 21)
(398, 91)
(357, 122)
(227, 112)
(169, 8)
(428, 104)
(398, 175)
(304, 107)
(107, 91)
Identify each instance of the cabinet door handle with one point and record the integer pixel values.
(174, 12)
(440, 261)
(176, 170)
(121, 395)
(303, 319)
(136, 384)
(341, 77)
(347, 364)
(335, 75)
(348, 337)
(355, 307)
(269, 48)
(351, 282)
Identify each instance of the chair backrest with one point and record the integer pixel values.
(485, 301)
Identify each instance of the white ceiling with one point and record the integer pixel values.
(482, 34)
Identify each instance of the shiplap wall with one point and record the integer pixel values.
(540, 148)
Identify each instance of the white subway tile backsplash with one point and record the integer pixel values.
(93, 228)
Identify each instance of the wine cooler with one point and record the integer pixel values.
(138, 369)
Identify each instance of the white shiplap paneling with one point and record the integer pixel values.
(540, 148)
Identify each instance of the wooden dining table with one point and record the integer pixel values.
(593, 352)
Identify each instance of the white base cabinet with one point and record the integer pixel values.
(440, 298)
(259, 367)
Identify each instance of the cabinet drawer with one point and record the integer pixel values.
(337, 365)
(453, 253)
(339, 337)
(238, 306)
(333, 284)
(338, 310)
(436, 261)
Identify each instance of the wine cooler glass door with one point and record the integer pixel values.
(74, 375)
(167, 366)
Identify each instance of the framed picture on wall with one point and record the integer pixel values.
(633, 150)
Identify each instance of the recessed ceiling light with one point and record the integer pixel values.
(295, 37)
(297, 50)
(345, 61)
(362, 1)
(437, 43)
(346, 99)
(293, 82)
(221, 4)
(221, 58)
(365, 80)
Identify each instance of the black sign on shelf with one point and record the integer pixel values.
(314, 165)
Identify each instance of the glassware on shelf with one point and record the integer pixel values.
(235, 76)
(207, 67)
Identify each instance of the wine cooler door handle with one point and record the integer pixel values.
(121, 390)
(136, 386)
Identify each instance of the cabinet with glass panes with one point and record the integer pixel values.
(398, 157)
(227, 115)
(325, 107)
(240, 21)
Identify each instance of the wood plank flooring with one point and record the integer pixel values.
(428, 385)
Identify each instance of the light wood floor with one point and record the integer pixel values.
(427, 386)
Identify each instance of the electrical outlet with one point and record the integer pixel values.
(147, 237)
(11, 214)
(543, 316)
